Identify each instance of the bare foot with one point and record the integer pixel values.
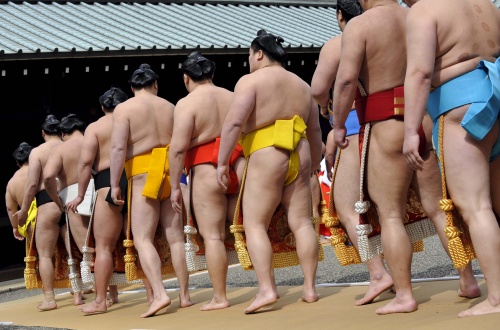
(185, 301)
(78, 299)
(483, 307)
(47, 306)
(309, 295)
(261, 301)
(397, 305)
(94, 308)
(375, 288)
(112, 294)
(156, 306)
(310, 298)
(469, 290)
(112, 298)
(149, 295)
(215, 304)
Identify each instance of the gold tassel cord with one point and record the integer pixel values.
(30, 273)
(130, 256)
(460, 255)
(237, 229)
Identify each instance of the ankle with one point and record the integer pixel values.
(49, 296)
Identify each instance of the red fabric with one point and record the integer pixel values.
(208, 153)
(325, 192)
(379, 106)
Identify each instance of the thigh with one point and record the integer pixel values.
(297, 196)
(78, 225)
(47, 229)
(495, 186)
(316, 195)
(264, 183)
(144, 212)
(465, 155)
(107, 222)
(346, 184)
(388, 174)
(209, 203)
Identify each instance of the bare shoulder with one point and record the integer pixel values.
(183, 106)
(92, 127)
(247, 80)
(35, 153)
(332, 45)
(164, 103)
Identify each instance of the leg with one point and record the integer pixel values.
(209, 206)
(78, 226)
(427, 184)
(46, 234)
(316, 200)
(463, 154)
(173, 227)
(388, 180)
(263, 189)
(107, 226)
(346, 193)
(297, 203)
(145, 218)
(495, 186)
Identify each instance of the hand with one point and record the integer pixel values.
(223, 176)
(60, 205)
(74, 204)
(339, 136)
(410, 151)
(176, 199)
(17, 236)
(21, 217)
(329, 169)
(116, 195)
(324, 112)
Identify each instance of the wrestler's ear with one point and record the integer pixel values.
(340, 17)
(185, 77)
(260, 55)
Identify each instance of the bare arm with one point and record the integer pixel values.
(88, 154)
(119, 140)
(314, 137)
(31, 187)
(242, 106)
(50, 172)
(181, 138)
(12, 205)
(421, 43)
(351, 59)
(325, 73)
(331, 151)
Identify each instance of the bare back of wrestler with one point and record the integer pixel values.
(141, 124)
(61, 171)
(198, 122)
(379, 62)
(447, 40)
(267, 94)
(47, 224)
